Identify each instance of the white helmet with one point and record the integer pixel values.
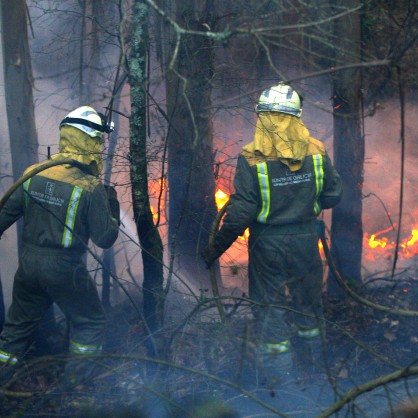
(280, 98)
(89, 121)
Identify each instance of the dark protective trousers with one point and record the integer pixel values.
(285, 282)
(45, 276)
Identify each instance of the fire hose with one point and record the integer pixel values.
(213, 280)
(31, 173)
(330, 262)
(40, 168)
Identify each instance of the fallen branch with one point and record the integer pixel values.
(351, 292)
(367, 387)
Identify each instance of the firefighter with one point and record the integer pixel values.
(284, 179)
(62, 208)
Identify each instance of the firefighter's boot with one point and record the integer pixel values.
(302, 360)
(79, 371)
(309, 354)
(6, 373)
(8, 366)
(276, 365)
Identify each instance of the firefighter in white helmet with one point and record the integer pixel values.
(62, 208)
(283, 180)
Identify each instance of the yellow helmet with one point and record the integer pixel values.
(89, 121)
(280, 98)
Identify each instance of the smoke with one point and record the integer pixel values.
(383, 167)
(8, 242)
(382, 178)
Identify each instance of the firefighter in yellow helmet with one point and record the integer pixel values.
(62, 208)
(283, 180)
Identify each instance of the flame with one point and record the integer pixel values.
(385, 246)
(374, 242)
(413, 240)
(154, 213)
(382, 243)
(321, 249)
(221, 198)
(157, 198)
(246, 235)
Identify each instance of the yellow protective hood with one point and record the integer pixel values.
(79, 146)
(279, 136)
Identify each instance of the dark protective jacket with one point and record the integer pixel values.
(269, 195)
(62, 207)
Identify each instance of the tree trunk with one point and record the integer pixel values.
(18, 84)
(151, 244)
(90, 41)
(2, 308)
(347, 228)
(109, 254)
(190, 143)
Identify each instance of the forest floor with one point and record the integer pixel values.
(208, 369)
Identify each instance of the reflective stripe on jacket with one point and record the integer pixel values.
(63, 207)
(269, 195)
(291, 178)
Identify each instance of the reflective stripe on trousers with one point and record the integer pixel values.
(277, 348)
(308, 333)
(7, 358)
(77, 348)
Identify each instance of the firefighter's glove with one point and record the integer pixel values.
(220, 244)
(112, 197)
(210, 254)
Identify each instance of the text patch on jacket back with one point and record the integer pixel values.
(291, 178)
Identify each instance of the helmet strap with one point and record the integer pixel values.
(84, 122)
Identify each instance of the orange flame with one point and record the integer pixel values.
(384, 246)
(154, 214)
(374, 242)
(221, 198)
(157, 199)
(321, 249)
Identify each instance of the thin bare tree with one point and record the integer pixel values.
(149, 237)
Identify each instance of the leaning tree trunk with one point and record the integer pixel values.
(151, 244)
(190, 142)
(347, 228)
